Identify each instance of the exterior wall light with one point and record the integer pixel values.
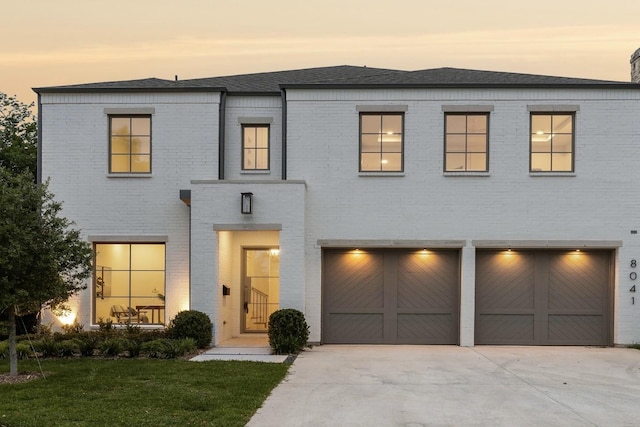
(246, 203)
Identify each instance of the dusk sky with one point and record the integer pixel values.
(59, 42)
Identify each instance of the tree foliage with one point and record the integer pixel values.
(18, 136)
(43, 260)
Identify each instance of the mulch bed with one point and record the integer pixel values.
(22, 377)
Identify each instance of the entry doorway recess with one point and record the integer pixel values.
(261, 287)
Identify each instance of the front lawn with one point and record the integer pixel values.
(137, 392)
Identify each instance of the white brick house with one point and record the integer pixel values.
(441, 206)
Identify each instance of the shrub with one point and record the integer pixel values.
(68, 348)
(87, 343)
(132, 329)
(73, 328)
(133, 346)
(186, 345)
(192, 324)
(166, 348)
(106, 325)
(23, 351)
(47, 347)
(288, 331)
(112, 347)
(153, 348)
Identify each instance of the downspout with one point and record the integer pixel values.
(39, 143)
(222, 115)
(283, 95)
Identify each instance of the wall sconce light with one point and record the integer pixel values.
(246, 203)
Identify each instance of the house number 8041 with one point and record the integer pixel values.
(633, 276)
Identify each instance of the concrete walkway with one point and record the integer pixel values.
(250, 347)
(413, 386)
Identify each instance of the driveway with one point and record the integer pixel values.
(413, 386)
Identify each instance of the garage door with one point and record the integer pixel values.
(390, 297)
(543, 297)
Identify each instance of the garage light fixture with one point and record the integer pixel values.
(246, 203)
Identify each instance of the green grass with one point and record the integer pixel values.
(137, 392)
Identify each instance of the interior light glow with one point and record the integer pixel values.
(384, 162)
(67, 317)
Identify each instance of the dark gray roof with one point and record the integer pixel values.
(151, 84)
(344, 76)
(271, 81)
(458, 77)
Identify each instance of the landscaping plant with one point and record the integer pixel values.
(288, 331)
(192, 324)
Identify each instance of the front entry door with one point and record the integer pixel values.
(261, 282)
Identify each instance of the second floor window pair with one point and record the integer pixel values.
(466, 142)
(130, 145)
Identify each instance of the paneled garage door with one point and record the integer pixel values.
(390, 297)
(543, 297)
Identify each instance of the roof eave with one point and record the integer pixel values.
(621, 85)
(252, 93)
(41, 90)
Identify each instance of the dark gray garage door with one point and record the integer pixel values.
(390, 297)
(543, 297)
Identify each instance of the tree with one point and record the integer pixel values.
(43, 260)
(18, 136)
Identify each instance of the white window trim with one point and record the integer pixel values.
(388, 108)
(126, 238)
(129, 110)
(467, 108)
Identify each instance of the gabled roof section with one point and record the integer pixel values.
(270, 82)
(151, 84)
(458, 77)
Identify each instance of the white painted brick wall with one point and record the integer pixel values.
(75, 158)
(216, 205)
(263, 107)
(599, 203)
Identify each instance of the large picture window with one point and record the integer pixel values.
(466, 142)
(381, 142)
(129, 282)
(130, 144)
(255, 147)
(552, 142)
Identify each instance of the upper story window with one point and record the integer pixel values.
(552, 142)
(255, 147)
(466, 142)
(381, 142)
(130, 144)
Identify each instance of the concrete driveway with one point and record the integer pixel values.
(456, 386)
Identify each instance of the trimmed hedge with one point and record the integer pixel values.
(192, 324)
(288, 331)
